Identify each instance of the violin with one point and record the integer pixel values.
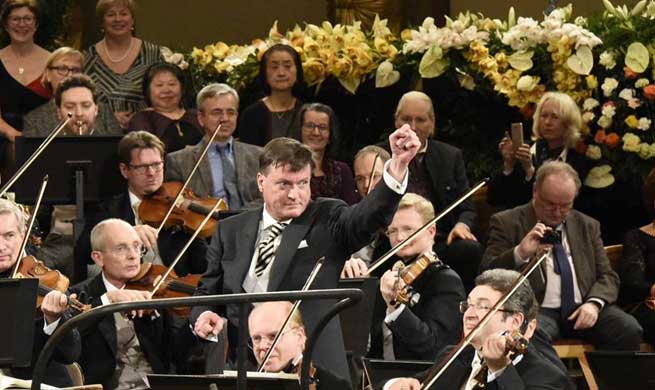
(49, 280)
(410, 273)
(515, 344)
(173, 287)
(188, 213)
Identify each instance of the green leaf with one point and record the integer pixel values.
(433, 64)
(521, 60)
(582, 61)
(637, 57)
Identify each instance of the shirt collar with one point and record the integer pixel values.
(268, 220)
(134, 200)
(108, 286)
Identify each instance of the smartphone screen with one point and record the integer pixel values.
(517, 134)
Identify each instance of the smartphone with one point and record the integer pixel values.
(517, 134)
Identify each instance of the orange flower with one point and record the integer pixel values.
(612, 140)
(649, 92)
(599, 138)
(629, 73)
(581, 147)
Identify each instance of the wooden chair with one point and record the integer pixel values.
(77, 378)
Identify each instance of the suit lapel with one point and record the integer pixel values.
(235, 271)
(107, 325)
(204, 170)
(291, 238)
(573, 238)
(433, 163)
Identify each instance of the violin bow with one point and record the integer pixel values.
(186, 246)
(370, 177)
(423, 228)
(30, 224)
(188, 179)
(438, 369)
(294, 308)
(36, 153)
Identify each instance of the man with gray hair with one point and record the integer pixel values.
(575, 285)
(438, 174)
(529, 370)
(229, 169)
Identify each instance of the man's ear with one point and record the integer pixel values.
(260, 182)
(97, 258)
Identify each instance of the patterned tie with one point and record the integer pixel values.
(229, 178)
(266, 248)
(563, 268)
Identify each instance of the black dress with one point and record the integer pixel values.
(256, 124)
(637, 272)
(176, 134)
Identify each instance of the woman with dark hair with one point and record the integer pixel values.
(275, 115)
(637, 266)
(320, 132)
(22, 63)
(166, 117)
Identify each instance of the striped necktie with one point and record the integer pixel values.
(266, 248)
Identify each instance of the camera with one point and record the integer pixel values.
(552, 237)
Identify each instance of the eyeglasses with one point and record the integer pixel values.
(64, 70)
(123, 250)
(311, 126)
(143, 168)
(564, 207)
(479, 307)
(406, 230)
(28, 20)
(256, 340)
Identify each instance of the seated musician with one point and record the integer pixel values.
(357, 265)
(488, 348)
(54, 305)
(576, 287)
(229, 170)
(264, 323)
(637, 267)
(119, 351)
(141, 162)
(430, 320)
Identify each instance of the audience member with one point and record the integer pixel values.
(277, 114)
(164, 90)
(119, 60)
(320, 132)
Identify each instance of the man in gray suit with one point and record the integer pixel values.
(575, 284)
(229, 170)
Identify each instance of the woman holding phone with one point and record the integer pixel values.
(555, 131)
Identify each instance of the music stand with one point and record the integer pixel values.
(623, 370)
(225, 381)
(377, 371)
(80, 169)
(356, 320)
(18, 297)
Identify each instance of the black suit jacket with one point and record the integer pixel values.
(329, 228)
(170, 241)
(421, 331)
(533, 372)
(326, 380)
(445, 165)
(99, 342)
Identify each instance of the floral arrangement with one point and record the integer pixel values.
(603, 62)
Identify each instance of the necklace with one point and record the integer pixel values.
(129, 49)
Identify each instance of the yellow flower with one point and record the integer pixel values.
(631, 142)
(274, 34)
(384, 48)
(220, 50)
(406, 34)
(592, 82)
(310, 46)
(527, 83)
(197, 55)
(313, 71)
(632, 121)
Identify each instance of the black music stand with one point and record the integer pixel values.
(225, 381)
(356, 320)
(18, 297)
(623, 370)
(80, 169)
(377, 371)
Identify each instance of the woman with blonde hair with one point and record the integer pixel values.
(555, 131)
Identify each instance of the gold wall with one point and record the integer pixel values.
(531, 8)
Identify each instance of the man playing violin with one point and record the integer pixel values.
(54, 306)
(117, 351)
(141, 162)
(486, 361)
(419, 329)
(264, 322)
(275, 247)
(229, 169)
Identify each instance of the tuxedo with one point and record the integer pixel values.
(424, 329)
(532, 372)
(169, 242)
(246, 163)
(327, 227)
(99, 339)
